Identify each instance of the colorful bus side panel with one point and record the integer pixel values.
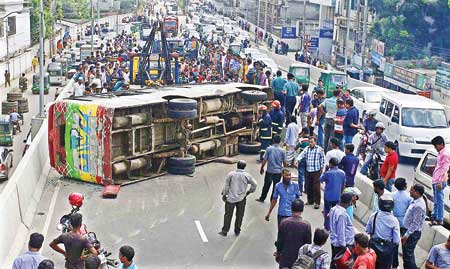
(80, 141)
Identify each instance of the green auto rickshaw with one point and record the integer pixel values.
(301, 72)
(64, 65)
(331, 79)
(35, 87)
(6, 131)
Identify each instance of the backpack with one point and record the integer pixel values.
(306, 260)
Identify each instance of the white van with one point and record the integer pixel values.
(367, 98)
(411, 122)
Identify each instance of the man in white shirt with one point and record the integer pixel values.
(335, 151)
(78, 88)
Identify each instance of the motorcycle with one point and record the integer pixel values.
(64, 225)
(373, 171)
(362, 147)
(23, 84)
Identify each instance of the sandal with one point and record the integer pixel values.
(436, 223)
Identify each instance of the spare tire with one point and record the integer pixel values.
(13, 96)
(254, 96)
(182, 104)
(186, 161)
(251, 147)
(181, 170)
(182, 114)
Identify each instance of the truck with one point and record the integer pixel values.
(115, 138)
(170, 26)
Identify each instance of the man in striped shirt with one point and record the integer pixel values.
(315, 159)
(339, 121)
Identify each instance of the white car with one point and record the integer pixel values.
(423, 174)
(367, 99)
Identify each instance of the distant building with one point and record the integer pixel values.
(14, 27)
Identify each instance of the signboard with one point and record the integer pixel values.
(378, 47)
(443, 76)
(313, 44)
(406, 76)
(288, 32)
(376, 58)
(326, 33)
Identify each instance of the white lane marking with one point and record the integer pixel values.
(201, 231)
(50, 211)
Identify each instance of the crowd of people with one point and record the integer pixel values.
(327, 159)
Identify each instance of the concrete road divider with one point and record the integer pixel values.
(431, 235)
(20, 197)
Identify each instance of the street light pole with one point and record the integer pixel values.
(364, 37)
(92, 26)
(347, 35)
(41, 58)
(265, 16)
(303, 25)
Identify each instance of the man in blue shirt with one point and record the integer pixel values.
(290, 89)
(351, 121)
(439, 256)
(275, 158)
(342, 232)
(402, 201)
(320, 117)
(288, 191)
(349, 164)
(384, 225)
(334, 180)
(277, 87)
(31, 258)
(305, 102)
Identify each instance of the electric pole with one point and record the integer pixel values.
(303, 26)
(41, 58)
(265, 16)
(347, 35)
(258, 14)
(364, 37)
(92, 26)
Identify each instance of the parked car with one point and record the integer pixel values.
(411, 122)
(367, 99)
(6, 162)
(423, 174)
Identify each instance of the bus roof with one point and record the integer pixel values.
(140, 97)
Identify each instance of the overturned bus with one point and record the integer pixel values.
(119, 137)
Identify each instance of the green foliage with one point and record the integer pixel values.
(413, 28)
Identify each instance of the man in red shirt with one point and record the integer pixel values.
(366, 257)
(388, 168)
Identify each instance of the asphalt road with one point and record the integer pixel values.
(158, 218)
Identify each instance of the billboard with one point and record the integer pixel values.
(288, 32)
(326, 33)
(443, 76)
(378, 47)
(408, 77)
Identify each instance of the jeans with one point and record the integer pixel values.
(367, 161)
(301, 175)
(390, 183)
(328, 130)
(409, 260)
(348, 139)
(438, 204)
(320, 133)
(229, 209)
(326, 210)
(340, 137)
(269, 179)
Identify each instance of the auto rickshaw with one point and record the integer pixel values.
(55, 73)
(64, 65)
(301, 73)
(35, 87)
(331, 79)
(6, 131)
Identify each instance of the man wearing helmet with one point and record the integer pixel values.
(384, 229)
(265, 130)
(370, 123)
(376, 142)
(277, 116)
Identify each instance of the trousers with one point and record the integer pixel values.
(229, 209)
(269, 179)
(328, 130)
(312, 187)
(409, 259)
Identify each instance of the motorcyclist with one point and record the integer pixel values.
(376, 142)
(370, 122)
(23, 81)
(14, 118)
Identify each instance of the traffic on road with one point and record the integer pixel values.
(177, 121)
